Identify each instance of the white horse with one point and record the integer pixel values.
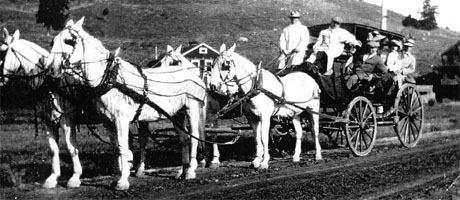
(25, 60)
(178, 92)
(176, 57)
(232, 74)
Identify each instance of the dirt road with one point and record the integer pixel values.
(429, 171)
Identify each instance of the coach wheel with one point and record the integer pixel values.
(409, 114)
(361, 128)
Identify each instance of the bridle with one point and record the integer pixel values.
(76, 68)
(231, 79)
(21, 58)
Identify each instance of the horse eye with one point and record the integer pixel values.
(226, 65)
(70, 42)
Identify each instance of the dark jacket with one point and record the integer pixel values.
(373, 65)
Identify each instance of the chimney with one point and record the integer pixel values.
(383, 24)
(193, 43)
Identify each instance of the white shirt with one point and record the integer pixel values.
(332, 41)
(393, 62)
(294, 37)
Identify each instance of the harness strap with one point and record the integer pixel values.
(140, 98)
(309, 110)
(144, 94)
(233, 104)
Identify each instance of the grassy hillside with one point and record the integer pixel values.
(137, 26)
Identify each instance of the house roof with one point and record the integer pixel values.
(189, 49)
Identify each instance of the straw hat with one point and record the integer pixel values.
(396, 43)
(294, 14)
(337, 20)
(409, 43)
(373, 44)
(375, 36)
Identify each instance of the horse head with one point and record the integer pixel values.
(231, 73)
(20, 58)
(175, 58)
(75, 51)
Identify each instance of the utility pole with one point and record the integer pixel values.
(383, 24)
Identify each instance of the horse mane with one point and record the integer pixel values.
(248, 66)
(94, 41)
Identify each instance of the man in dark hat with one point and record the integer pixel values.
(369, 66)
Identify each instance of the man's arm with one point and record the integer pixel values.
(283, 42)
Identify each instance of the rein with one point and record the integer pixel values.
(109, 81)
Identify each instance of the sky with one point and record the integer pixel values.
(448, 10)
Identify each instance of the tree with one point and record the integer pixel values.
(53, 14)
(409, 21)
(428, 18)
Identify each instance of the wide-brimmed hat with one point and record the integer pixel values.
(294, 14)
(358, 43)
(337, 20)
(409, 43)
(396, 43)
(375, 36)
(373, 44)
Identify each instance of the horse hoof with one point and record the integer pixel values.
(140, 174)
(255, 165)
(202, 164)
(190, 175)
(73, 184)
(263, 166)
(49, 184)
(296, 159)
(122, 186)
(318, 158)
(214, 165)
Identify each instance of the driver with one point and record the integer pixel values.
(293, 42)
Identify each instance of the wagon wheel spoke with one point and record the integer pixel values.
(415, 132)
(417, 109)
(357, 138)
(364, 139)
(369, 114)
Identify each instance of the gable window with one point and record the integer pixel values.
(203, 50)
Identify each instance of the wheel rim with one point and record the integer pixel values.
(409, 115)
(361, 130)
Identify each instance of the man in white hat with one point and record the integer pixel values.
(330, 44)
(408, 61)
(393, 61)
(293, 42)
(370, 65)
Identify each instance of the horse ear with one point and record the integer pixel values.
(231, 50)
(69, 23)
(16, 35)
(222, 48)
(169, 49)
(79, 24)
(179, 49)
(5, 33)
(115, 54)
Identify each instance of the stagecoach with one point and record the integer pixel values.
(355, 117)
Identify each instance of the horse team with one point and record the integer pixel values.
(123, 92)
